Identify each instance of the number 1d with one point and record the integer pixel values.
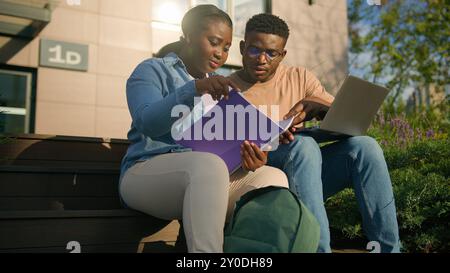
(71, 58)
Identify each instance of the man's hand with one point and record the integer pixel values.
(252, 156)
(307, 109)
(304, 110)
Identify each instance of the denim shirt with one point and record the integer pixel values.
(153, 89)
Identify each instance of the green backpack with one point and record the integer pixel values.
(271, 220)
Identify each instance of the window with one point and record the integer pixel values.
(221, 4)
(244, 10)
(171, 12)
(227, 70)
(15, 101)
(240, 11)
(168, 14)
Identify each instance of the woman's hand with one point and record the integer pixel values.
(216, 86)
(252, 156)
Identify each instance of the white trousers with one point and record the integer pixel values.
(195, 188)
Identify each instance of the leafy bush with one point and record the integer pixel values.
(417, 150)
(421, 184)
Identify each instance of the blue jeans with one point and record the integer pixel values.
(316, 174)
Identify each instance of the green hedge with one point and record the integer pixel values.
(420, 179)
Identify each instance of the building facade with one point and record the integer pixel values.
(64, 63)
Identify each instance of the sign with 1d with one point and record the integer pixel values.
(65, 55)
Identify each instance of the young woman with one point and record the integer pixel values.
(165, 180)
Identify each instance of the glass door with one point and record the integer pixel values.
(15, 101)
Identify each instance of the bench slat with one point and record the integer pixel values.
(59, 203)
(104, 248)
(57, 189)
(35, 166)
(44, 214)
(50, 232)
(56, 184)
(11, 137)
(29, 149)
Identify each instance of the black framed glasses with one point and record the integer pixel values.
(271, 54)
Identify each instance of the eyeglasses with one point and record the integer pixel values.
(271, 54)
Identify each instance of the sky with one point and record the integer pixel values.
(360, 65)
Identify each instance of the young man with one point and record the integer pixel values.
(315, 173)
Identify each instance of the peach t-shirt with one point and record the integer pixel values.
(285, 89)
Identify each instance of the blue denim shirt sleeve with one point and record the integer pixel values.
(150, 104)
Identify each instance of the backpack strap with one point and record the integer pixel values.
(254, 193)
(308, 233)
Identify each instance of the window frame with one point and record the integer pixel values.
(231, 67)
(231, 7)
(230, 10)
(30, 95)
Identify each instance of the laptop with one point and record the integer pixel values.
(352, 111)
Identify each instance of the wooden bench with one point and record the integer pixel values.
(55, 189)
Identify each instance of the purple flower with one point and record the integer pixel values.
(430, 134)
(403, 130)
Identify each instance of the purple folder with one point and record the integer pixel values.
(239, 121)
